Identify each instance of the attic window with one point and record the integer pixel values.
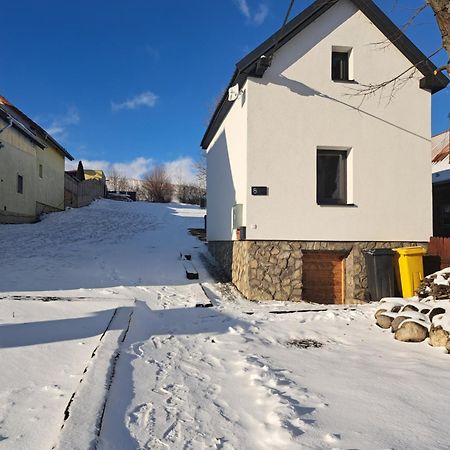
(341, 64)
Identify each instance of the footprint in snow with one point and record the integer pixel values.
(332, 438)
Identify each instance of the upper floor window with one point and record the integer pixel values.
(41, 171)
(341, 64)
(19, 184)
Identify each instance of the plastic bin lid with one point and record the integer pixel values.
(410, 250)
(380, 251)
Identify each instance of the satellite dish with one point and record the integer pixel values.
(233, 93)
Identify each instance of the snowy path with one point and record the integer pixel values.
(169, 375)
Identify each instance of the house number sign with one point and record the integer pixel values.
(260, 190)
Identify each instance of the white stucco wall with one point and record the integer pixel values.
(227, 171)
(296, 107)
(19, 156)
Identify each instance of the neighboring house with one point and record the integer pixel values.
(82, 186)
(96, 174)
(303, 174)
(441, 184)
(31, 168)
(440, 146)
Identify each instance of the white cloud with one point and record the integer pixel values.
(257, 15)
(261, 14)
(244, 8)
(136, 168)
(147, 98)
(181, 170)
(58, 125)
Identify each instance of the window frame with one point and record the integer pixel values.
(19, 184)
(348, 52)
(343, 155)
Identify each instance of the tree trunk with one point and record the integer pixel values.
(441, 10)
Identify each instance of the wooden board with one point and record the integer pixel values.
(191, 271)
(323, 277)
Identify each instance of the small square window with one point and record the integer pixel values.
(41, 171)
(332, 177)
(19, 184)
(340, 66)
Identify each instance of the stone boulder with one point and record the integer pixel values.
(410, 308)
(410, 331)
(435, 312)
(438, 336)
(397, 322)
(384, 321)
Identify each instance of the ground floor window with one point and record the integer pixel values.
(331, 177)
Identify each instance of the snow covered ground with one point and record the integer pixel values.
(102, 346)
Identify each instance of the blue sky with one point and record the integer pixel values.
(135, 82)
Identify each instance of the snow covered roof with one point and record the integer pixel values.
(440, 149)
(94, 174)
(258, 60)
(27, 126)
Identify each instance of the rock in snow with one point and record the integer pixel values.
(438, 336)
(411, 331)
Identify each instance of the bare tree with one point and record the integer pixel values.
(157, 186)
(441, 9)
(190, 193)
(200, 167)
(117, 181)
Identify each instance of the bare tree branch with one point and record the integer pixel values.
(157, 186)
(395, 83)
(441, 9)
(388, 41)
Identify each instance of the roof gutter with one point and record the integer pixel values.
(10, 124)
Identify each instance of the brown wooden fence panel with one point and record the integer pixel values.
(440, 246)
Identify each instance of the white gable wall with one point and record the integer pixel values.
(227, 171)
(296, 107)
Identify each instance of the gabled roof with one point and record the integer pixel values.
(28, 127)
(257, 61)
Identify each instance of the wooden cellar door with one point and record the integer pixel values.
(323, 277)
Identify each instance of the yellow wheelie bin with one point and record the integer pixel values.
(409, 269)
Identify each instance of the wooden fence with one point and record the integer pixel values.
(440, 246)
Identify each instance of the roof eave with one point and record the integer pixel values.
(246, 66)
(434, 83)
(60, 148)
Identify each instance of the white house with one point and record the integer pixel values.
(305, 173)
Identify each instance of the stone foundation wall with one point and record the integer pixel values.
(272, 270)
(267, 270)
(222, 251)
